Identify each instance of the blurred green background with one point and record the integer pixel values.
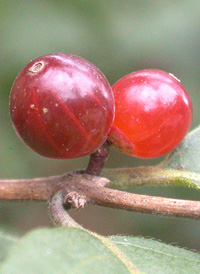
(118, 37)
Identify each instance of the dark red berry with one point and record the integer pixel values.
(62, 106)
(153, 113)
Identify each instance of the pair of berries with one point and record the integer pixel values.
(63, 107)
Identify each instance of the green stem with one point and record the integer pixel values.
(141, 176)
(59, 214)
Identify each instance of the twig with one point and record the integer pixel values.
(29, 189)
(94, 190)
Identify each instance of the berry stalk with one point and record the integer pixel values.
(98, 159)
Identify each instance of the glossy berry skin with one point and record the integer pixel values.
(153, 113)
(62, 106)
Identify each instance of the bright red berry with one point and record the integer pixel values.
(62, 106)
(153, 113)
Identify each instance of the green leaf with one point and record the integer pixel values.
(6, 242)
(187, 155)
(74, 251)
(63, 250)
(186, 158)
(152, 257)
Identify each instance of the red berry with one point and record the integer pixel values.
(153, 113)
(62, 106)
